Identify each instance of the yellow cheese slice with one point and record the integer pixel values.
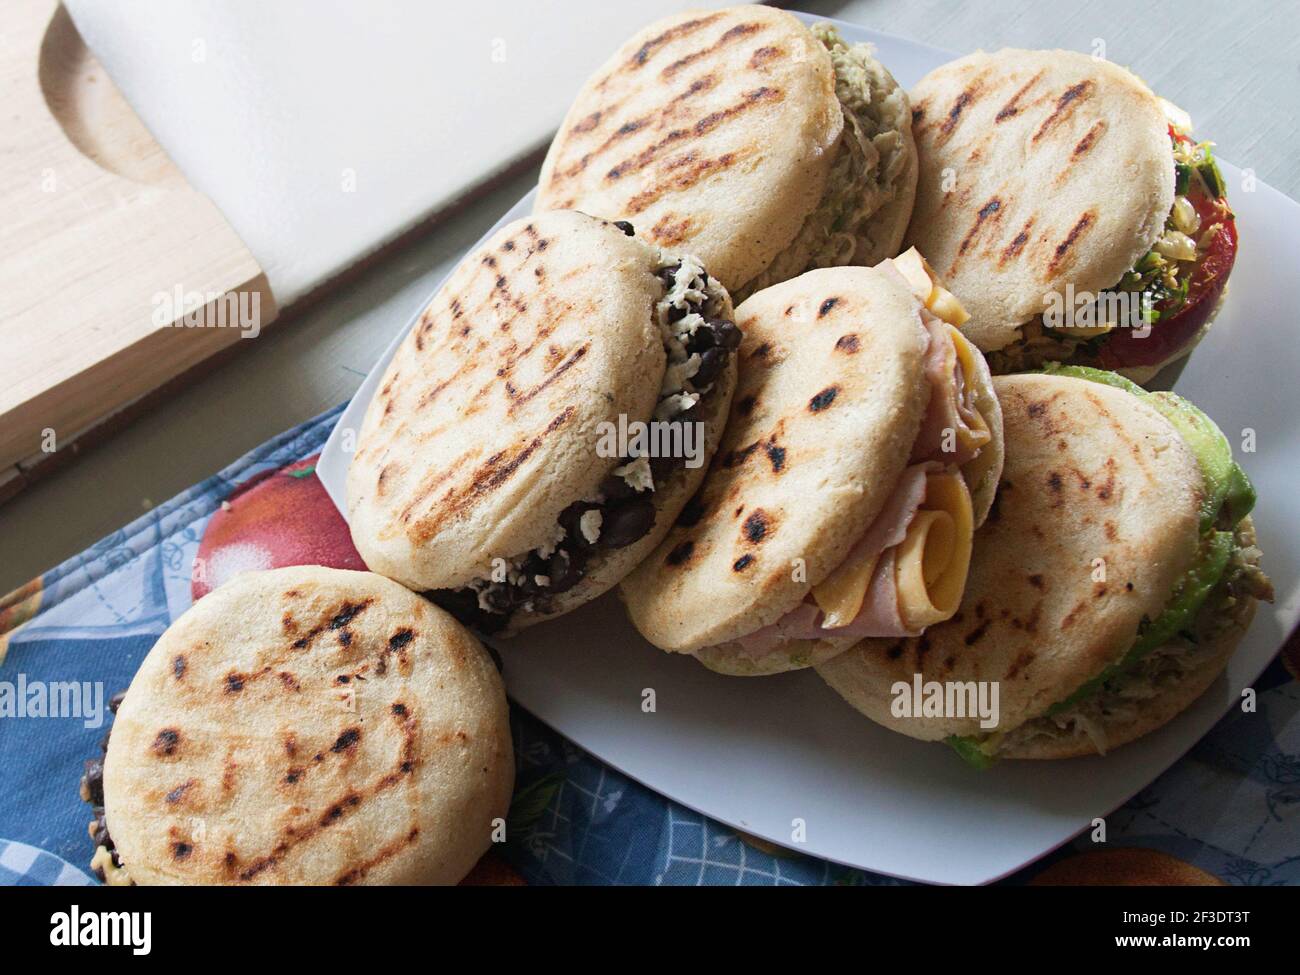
(925, 285)
(932, 561)
(840, 597)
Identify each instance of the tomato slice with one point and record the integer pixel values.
(1124, 347)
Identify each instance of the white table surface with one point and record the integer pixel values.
(1234, 67)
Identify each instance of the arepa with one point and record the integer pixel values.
(743, 137)
(308, 726)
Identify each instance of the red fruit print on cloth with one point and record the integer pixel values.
(277, 518)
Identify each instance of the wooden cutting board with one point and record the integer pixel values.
(104, 250)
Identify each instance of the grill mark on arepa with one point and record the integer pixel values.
(962, 102)
(349, 802)
(1062, 253)
(848, 344)
(728, 36)
(1012, 107)
(687, 171)
(676, 32)
(656, 120)
(742, 563)
(763, 55)
(700, 128)
(991, 212)
(1017, 244)
(1070, 99)
(669, 231)
(1089, 139)
(489, 476)
(339, 618)
(391, 850)
(518, 398)
(825, 307)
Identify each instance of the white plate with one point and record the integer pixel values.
(762, 754)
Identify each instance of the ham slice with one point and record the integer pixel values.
(948, 399)
(879, 615)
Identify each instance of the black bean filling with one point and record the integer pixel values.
(92, 790)
(627, 514)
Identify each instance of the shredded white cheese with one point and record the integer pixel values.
(589, 524)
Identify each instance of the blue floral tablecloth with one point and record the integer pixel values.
(1231, 807)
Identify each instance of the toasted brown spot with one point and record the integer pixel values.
(166, 742)
(691, 514)
(823, 399)
(178, 793)
(757, 525)
(848, 344)
(1019, 664)
(400, 639)
(777, 456)
(742, 563)
(763, 55)
(587, 124)
(669, 231)
(1036, 581)
(738, 457)
(181, 850)
(746, 405)
(680, 553)
(347, 614)
(975, 635)
(826, 306)
(348, 739)
(178, 667)
(489, 476)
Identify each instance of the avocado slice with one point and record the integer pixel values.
(1228, 490)
(1102, 376)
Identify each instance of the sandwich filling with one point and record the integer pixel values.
(1214, 596)
(908, 571)
(866, 172)
(1172, 289)
(694, 320)
(105, 864)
